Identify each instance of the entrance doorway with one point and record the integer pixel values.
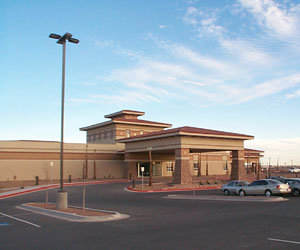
(156, 170)
(146, 167)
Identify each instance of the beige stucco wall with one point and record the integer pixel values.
(27, 169)
(23, 160)
(216, 163)
(49, 146)
(107, 134)
(167, 143)
(197, 142)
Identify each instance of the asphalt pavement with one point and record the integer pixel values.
(154, 222)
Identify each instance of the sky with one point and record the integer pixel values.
(225, 65)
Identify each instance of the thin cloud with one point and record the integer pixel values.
(127, 97)
(294, 95)
(232, 74)
(204, 22)
(161, 26)
(203, 61)
(246, 51)
(273, 16)
(264, 89)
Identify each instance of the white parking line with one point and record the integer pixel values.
(24, 221)
(286, 241)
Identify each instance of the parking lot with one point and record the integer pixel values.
(154, 223)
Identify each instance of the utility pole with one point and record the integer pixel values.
(86, 163)
(206, 164)
(199, 165)
(269, 169)
(95, 165)
(150, 167)
(258, 169)
(248, 161)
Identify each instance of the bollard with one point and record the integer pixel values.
(70, 178)
(36, 180)
(133, 183)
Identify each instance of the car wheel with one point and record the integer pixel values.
(268, 193)
(226, 191)
(296, 192)
(242, 193)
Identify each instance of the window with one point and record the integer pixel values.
(258, 183)
(225, 166)
(274, 182)
(243, 183)
(170, 167)
(254, 183)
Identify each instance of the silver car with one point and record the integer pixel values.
(233, 187)
(265, 187)
(294, 184)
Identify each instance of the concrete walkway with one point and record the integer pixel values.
(164, 190)
(226, 198)
(111, 215)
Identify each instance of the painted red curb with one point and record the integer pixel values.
(171, 190)
(57, 185)
(93, 182)
(28, 191)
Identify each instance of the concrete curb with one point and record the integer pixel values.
(130, 189)
(226, 198)
(27, 190)
(75, 217)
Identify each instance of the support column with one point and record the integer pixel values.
(182, 173)
(130, 171)
(238, 171)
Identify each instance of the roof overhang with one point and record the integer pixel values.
(126, 121)
(152, 136)
(127, 112)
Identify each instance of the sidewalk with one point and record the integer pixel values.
(168, 186)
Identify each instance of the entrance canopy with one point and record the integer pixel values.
(185, 140)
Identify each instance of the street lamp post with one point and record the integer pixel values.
(62, 198)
